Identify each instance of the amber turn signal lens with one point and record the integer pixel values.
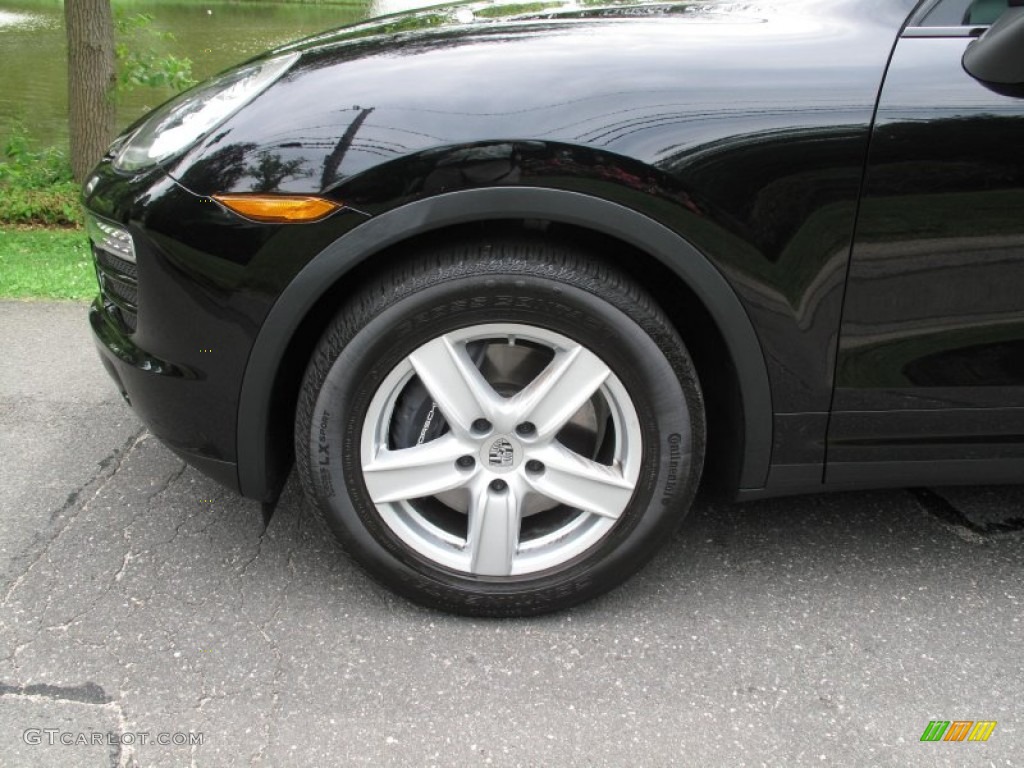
(279, 209)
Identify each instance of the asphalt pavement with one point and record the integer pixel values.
(140, 602)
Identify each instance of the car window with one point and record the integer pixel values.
(985, 11)
(958, 13)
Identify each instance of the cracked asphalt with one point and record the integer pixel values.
(136, 596)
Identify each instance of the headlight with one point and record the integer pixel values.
(184, 120)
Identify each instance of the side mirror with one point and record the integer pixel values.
(997, 57)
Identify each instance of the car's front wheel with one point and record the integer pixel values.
(501, 430)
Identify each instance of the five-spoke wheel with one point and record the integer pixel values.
(501, 430)
(534, 426)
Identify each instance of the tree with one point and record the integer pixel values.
(92, 78)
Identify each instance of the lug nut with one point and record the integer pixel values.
(481, 425)
(526, 429)
(465, 462)
(534, 466)
(498, 485)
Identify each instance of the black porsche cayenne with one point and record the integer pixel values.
(507, 283)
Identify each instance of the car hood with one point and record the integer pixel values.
(660, 82)
(455, 16)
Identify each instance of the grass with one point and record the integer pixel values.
(36, 187)
(45, 264)
(56, 205)
(43, 254)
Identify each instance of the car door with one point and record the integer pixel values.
(929, 380)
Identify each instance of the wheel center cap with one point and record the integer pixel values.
(501, 454)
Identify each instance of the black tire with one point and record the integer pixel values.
(523, 281)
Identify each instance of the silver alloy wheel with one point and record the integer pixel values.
(501, 459)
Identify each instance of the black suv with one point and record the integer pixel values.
(507, 283)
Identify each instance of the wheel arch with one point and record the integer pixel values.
(259, 477)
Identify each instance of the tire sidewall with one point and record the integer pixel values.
(637, 348)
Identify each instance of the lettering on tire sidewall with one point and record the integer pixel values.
(323, 455)
(675, 460)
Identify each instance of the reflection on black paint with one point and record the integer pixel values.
(333, 161)
(220, 170)
(982, 365)
(742, 128)
(648, 109)
(270, 171)
(935, 304)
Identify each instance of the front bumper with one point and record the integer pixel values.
(161, 393)
(175, 329)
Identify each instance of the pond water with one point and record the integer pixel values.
(214, 35)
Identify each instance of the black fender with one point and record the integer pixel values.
(465, 206)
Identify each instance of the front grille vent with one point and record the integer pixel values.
(115, 264)
(119, 284)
